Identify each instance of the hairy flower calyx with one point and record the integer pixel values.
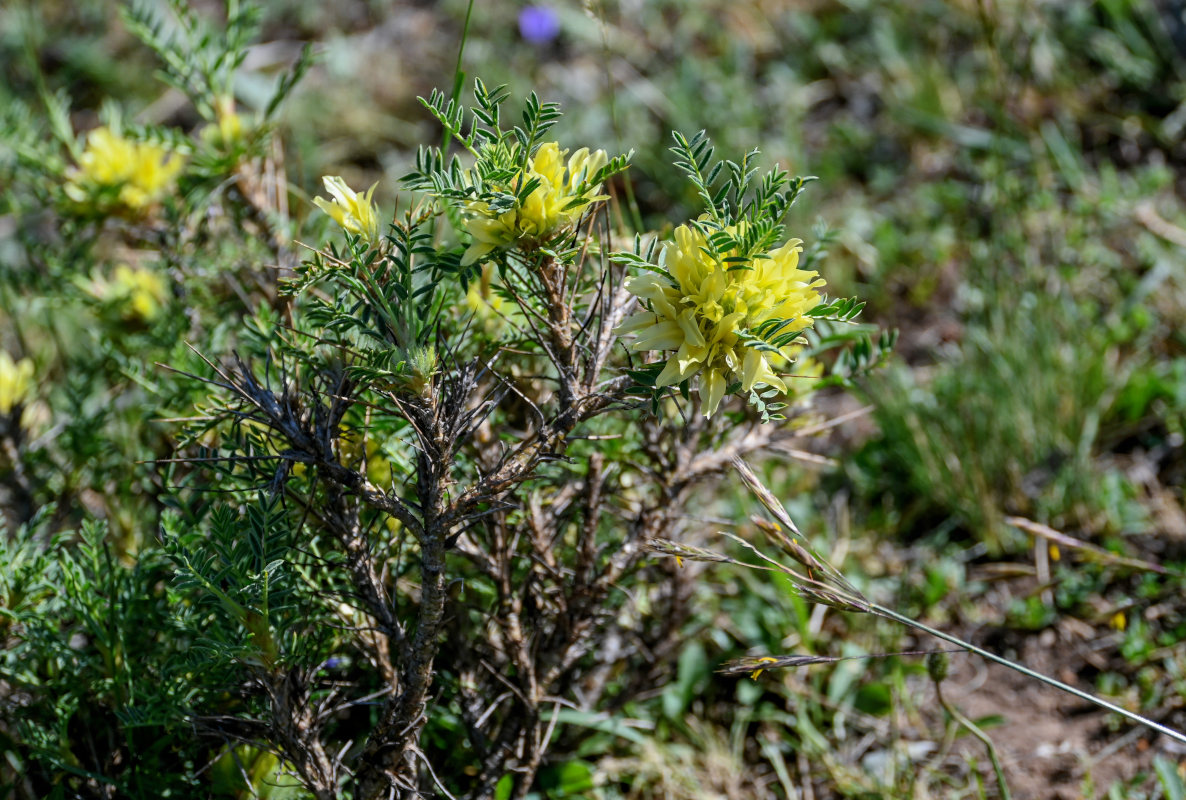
(704, 304)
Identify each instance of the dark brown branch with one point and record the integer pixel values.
(521, 463)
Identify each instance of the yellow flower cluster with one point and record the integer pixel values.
(142, 172)
(698, 314)
(16, 379)
(551, 206)
(227, 129)
(352, 210)
(139, 294)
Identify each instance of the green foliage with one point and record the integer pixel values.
(202, 61)
(89, 638)
(239, 577)
(384, 307)
(1014, 415)
(731, 198)
(500, 155)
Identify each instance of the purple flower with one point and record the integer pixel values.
(538, 24)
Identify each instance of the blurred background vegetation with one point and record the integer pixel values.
(1001, 181)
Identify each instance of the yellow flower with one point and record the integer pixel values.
(553, 205)
(700, 310)
(227, 129)
(16, 379)
(142, 172)
(763, 660)
(352, 210)
(370, 457)
(488, 308)
(140, 294)
(806, 374)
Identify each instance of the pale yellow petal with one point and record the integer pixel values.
(16, 379)
(692, 334)
(665, 335)
(712, 389)
(756, 370)
(684, 364)
(671, 373)
(476, 252)
(654, 288)
(335, 212)
(642, 319)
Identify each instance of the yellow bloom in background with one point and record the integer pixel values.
(547, 209)
(139, 294)
(700, 314)
(144, 290)
(806, 374)
(227, 129)
(16, 379)
(483, 305)
(352, 210)
(141, 171)
(369, 455)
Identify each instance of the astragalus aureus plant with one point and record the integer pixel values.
(460, 460)
(550, 195)
(728, 295)
(707, 303)
(115, 173)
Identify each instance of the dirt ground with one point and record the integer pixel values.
(1051, 743)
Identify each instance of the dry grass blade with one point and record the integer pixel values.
(1058, 537)
(754, 665)
(681, 551)
(765, 496)
(838, 593)
(794, 543)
